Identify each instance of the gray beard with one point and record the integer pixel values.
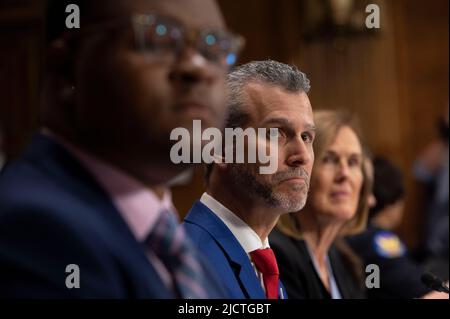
(246, 181)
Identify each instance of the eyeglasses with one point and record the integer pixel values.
(165, 36)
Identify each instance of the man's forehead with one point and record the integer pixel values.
(266, 101)
(192, 13)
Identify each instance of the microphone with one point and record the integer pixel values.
(434, 282)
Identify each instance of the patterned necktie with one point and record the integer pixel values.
(266, 263)
(171, 245)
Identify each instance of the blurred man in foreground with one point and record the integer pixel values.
(86, 212)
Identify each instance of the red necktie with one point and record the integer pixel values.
(266, 263)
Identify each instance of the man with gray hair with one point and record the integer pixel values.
(231, 222)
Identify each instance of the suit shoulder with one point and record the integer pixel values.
(39, 239)
(205, 242)
(26, 192)
(198, 235)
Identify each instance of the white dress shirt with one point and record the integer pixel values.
(246, 236)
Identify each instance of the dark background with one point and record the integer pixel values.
(395, 79)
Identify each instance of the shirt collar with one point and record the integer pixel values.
(245, 235)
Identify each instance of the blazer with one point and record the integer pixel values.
(218, 244)
(299, 275)
(54, 214)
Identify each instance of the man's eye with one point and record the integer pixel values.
(163, 36)
(274, 133)
(307, 138)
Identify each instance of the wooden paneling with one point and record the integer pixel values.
(397, 84)
(397, 81)
(20, 57)
(422, 58)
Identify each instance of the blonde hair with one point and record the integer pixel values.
(328, 125)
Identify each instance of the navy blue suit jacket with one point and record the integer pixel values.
(222, 249)
(52, 214)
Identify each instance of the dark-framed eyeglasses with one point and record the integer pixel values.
(165, 37)
(162, 35)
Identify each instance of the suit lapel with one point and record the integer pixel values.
(338, 269)
(239, 261)
(282, 294)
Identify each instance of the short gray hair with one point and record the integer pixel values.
(285, 76)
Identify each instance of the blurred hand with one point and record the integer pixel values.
(436, 295)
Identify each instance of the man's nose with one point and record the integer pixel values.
(192, 68)
(299, 154)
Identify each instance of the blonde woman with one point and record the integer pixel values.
(313, 262)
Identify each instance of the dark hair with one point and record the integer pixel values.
(285, 76)
(388, 187)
